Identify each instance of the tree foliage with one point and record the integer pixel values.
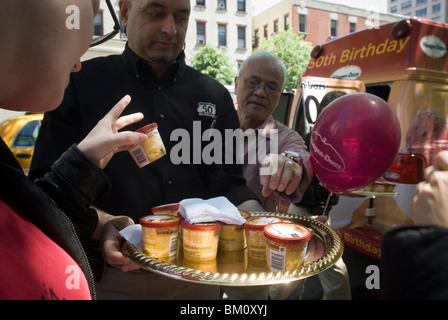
(293, 50)
(215, 63)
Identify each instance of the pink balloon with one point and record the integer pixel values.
(354, 142)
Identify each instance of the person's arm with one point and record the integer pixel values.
(413, 258)
(430, 204)
(77, 180)
(287, 178)
(108, 232)
(414, 263)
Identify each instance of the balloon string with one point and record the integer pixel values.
(326, 204)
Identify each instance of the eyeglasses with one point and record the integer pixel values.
(271, 90)
(110, 35)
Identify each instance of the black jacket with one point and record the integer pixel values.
(414, 264)
(173, 101)
(59, 202)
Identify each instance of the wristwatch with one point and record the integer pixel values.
(294, 156)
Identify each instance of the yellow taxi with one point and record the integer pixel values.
(20, 134)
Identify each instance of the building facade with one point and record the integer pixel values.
(224, 24)
(317, 21)
(221, 23)
(436, 10)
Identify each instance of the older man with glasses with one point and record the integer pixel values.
(258, 88)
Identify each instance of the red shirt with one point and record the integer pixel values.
(32, 266)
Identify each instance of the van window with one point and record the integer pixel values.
(299, 118)
(281, 113)
(381, 90)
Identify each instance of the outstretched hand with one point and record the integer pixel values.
(111, 242)
(105, 139)
(279, 173)
(430, 205)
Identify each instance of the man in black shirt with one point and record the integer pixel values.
(153, 72)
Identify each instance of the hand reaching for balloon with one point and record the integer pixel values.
(280, 173)
(104, 140)
(430, 205)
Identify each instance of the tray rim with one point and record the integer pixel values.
(334, 252)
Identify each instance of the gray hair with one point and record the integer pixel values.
(268, 56)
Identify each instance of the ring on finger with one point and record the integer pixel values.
(289, 162)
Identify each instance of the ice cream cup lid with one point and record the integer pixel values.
(147, 128)
(170, 206)
(259, 222)
(287, 232)
(244, 214)
(159, 221)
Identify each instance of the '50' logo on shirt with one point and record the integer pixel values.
(207, 109)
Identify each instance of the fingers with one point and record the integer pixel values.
(129, 119)
(120, 122)
(428, 173)
(286, 178)
(441, 160)
(116, 111)
(111, 244)
(124, 140)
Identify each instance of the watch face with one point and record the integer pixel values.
(292, 154)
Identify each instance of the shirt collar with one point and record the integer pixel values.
(269, 123)
(141, 70)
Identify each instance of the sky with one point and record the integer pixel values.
(261, 5)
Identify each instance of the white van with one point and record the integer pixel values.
(406, 64)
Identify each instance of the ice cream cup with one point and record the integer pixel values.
(286, 245)
(160, 234)
(200, 240)
(256, 242)
(150, 150)
(233, 237)
(166, 209)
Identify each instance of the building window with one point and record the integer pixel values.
(419, 2)
(222, 4)
(275, 26)
(200, 3)
(421, 12)
(406, 5)
(256, 38)
(302, 23)
(241, 37)
(436, 8)
(334, 28)
(286, 22)
(98, 29)
(200, 32)
(352, 27)
(222, 35)
(242, 5)
(265, 31)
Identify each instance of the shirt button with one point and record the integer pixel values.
(170, 182)
(162, 116)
